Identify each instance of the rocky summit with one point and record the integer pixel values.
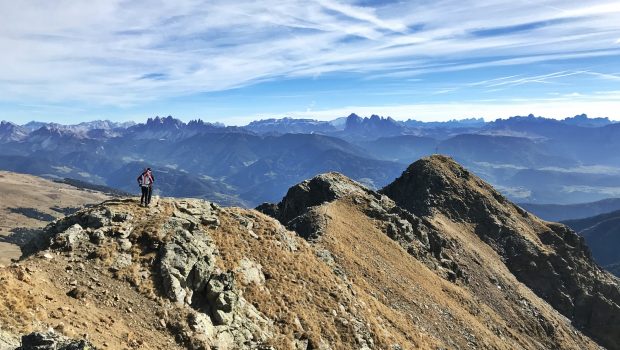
(436, 260)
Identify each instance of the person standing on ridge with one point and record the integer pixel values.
(145, 180)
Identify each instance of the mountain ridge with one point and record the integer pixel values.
(345, 266)
(535, 251)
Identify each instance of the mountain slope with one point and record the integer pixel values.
(518, 151)
(29, 203)
(358, 272)
(602, 233)
(547, 257)
(11, 132)
(560, 212)
(435, 274)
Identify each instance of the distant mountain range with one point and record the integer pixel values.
(530, 159)
(602, 234)
(558, 212)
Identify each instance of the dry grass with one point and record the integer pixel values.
(27, 191)
(303, 295)
(395, 297)
(112, 314)
(298, 286)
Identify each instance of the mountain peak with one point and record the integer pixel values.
(540, 254)
(166, 122)
(373, 126)
(11, 132)
(584, 120)
(438, 181)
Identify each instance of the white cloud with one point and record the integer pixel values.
(125, 52)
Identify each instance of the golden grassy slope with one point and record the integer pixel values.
(28, 191)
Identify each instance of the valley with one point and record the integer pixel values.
(529, 159)
(29, 203)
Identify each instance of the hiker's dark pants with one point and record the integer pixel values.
(146, 195)
(150, 193)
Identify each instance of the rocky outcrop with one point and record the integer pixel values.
(320, 189)
(185, 268)
(52, 341)
(549, 258)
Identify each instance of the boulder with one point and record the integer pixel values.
(52, 341)
(70, 237)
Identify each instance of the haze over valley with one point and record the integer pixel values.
(529, 159)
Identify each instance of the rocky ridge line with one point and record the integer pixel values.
(299, 211)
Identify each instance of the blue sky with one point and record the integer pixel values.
(233, 61)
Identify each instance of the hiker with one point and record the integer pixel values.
(145, 180)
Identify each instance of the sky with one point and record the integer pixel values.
(70, 61)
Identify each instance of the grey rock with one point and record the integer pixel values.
(52, 341)
(70, 237)
(210, 220)
(98, 236)
(226, 301)
(121, 261)
(251, 272)
(124, 244)
(186, 263)
(201, 323)
(123, 231)
(221, 317)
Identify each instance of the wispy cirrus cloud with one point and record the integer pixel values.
(124, 53)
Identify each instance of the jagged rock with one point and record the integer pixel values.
(98, 236)
(320, 189)
(120, 216)
(212, 221)
(269, 209)
(124, 244)
(186, 264)
(225, 341)
(96, 218)
(197, 211)
(309, 225)
(77, 293)
(201, 323)
(123, 231)
(70, 237)
(52, 341)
